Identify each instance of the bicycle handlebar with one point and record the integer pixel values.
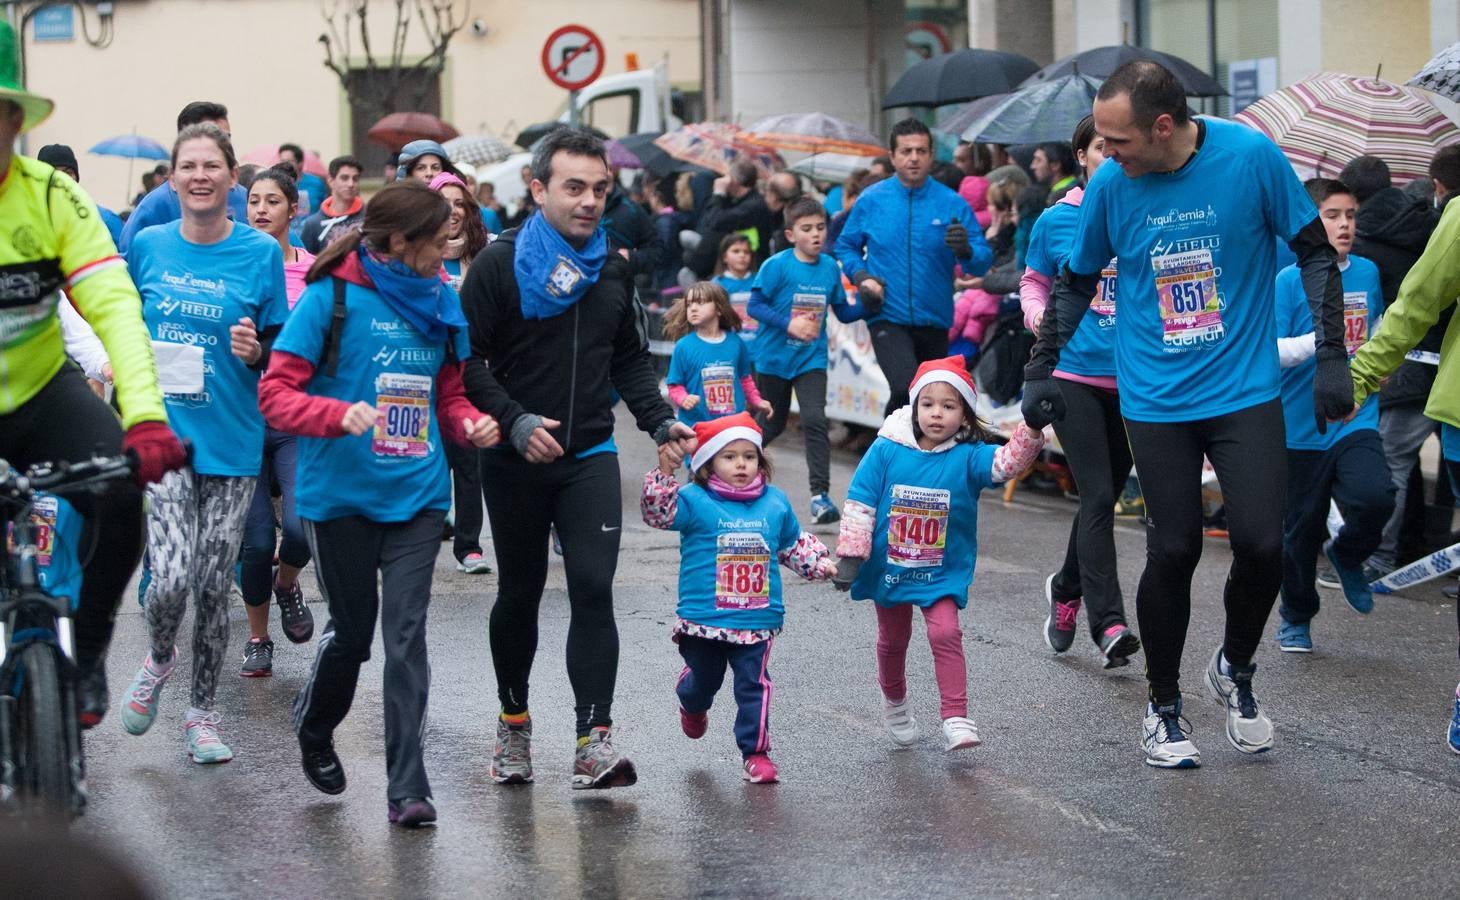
(59, 478)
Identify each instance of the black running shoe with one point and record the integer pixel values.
(411, 812)
(294, 617)
(258, 658)
(323, 769)
(92, 698)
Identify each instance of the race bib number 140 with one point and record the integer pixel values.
(917, 526)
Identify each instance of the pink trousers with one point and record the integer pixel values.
(945, 637)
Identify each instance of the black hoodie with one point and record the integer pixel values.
(564, 367)
(1392, 230)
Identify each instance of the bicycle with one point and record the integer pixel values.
(41, 764)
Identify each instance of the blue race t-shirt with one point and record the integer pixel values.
(1363, 302)
(58, 544)
(794, 289)
(1450, 443)
(1196, 335)
(393, 472)
(191, 295)
(729, 576)
(161, 206)
(925, 539)
(1091, 350)
(713, 372)
(739, 291)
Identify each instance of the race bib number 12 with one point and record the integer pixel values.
(1355, 321)
(404, 424)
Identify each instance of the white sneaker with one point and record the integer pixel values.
(959, 733)
(1164, 740)
(474, 564)
(901, 726)
(1248, 728)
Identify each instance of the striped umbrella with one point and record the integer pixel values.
(477, 149)
(1441, 74)
(715, 145)
(815, 133)
(1323, 122)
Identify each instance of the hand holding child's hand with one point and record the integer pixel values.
(689, 401)
(847, 568)
(802, 329)
(825, 568)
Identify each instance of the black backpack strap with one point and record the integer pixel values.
(330, 357)
(451, 332)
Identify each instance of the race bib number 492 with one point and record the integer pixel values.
(742, 571)
(719, 387)
(917, 526)
(404, 423)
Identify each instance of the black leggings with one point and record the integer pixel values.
(1092, 436)
(1247, 450)
(67, 421)
(810, 390)
(581, 497)
(900, 349)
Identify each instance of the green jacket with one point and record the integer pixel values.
(1431, 286)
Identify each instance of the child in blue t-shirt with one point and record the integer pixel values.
(734, 527)
(1346, 462)
(909, 535)
(733, 272)
(790, 299)
(710, 369)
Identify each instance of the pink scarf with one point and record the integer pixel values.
(751, 491)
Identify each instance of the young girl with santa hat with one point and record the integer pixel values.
(734, 528)
(909, 535)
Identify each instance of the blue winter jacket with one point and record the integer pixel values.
(896, 234)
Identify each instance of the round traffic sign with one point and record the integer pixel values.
(572, 57)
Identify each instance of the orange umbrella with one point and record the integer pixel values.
(815, 133)
(715, 145)
(400, 128)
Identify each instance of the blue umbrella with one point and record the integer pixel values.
(130, 146)
(1047, 111)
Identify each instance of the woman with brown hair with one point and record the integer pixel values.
(372, 491)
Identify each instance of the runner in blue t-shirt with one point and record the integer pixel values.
(710, 373)
(373, 400)
(792, 293)
(213, 297)
(1346, 462)
(734, 273)
(1092, 435)
(1190, 211)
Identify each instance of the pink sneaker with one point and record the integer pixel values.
(1117, 645)
(760, 770)
(694, 724)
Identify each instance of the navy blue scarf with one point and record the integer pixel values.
(551, 274)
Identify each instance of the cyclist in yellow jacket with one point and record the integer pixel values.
(53, 240)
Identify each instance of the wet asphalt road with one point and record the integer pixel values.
(1360, 796)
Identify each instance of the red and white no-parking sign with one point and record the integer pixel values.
(572, 57)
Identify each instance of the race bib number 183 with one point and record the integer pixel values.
(742, 571)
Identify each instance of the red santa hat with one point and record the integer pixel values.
(949, 371)
(714, 435)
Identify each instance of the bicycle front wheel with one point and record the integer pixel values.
(43, 765)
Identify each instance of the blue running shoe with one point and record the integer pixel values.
(1293, 637)
(1455, 724)
(1355, 585)
(823, 511)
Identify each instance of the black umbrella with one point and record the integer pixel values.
(534, 133)
(1101, 62)
(1048, 111)
(958, 77)
(652, 158)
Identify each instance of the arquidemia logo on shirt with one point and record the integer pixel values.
(188, 283)
(1183, 218)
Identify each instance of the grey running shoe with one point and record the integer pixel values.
(294, 617)
(1059, 626)
(1248, 728)
(258, 658)
(512, 758)
(1164, 739)
(598, 765)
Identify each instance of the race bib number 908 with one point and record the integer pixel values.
(404, 424)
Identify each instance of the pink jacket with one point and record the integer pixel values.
(973, 312)
(975, 189)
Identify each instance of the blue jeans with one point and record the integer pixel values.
(704, 672)
(256, 577)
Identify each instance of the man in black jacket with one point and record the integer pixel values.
(630, 231)
(1391, 231)
(555, 329)
(734, 206)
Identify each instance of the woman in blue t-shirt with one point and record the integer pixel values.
(213, 298)
(273, 201)
(1092, 435)
(367, 372)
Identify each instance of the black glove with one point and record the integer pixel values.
(873, 305)
(1043, 403)
(1333, 388)
(847, 568)
(956, 237)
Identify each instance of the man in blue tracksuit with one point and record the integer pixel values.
(899, 247)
